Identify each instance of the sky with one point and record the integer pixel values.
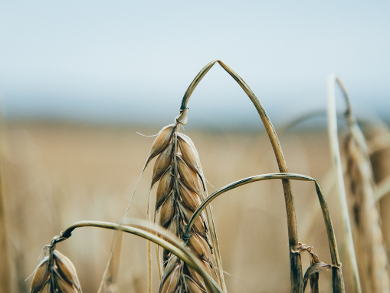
(131, 61)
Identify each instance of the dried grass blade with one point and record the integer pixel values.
(336, 159)
(314, 269)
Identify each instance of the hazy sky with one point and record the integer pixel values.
(127, 60)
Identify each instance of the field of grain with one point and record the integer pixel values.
(57, 174)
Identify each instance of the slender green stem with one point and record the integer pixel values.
(156, 235)
(295, 259)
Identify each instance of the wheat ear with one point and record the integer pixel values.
(181, 188)
(55, 273)
(372, 258)
(371, 254)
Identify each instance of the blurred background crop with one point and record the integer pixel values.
(79, 79)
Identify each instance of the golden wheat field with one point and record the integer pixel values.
(56, 174)
(112, 181)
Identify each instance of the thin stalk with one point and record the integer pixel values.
(149, 249)
(5, 268)
(296, 276)
(288, 125)
(156, 235)
(8, 282)
(336, 159)
(338, 282)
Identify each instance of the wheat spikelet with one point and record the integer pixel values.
(180, 191)
(371, 255)
(55, 273)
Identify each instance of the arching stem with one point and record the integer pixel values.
(296, 276)
(338, 281)
(155, 234)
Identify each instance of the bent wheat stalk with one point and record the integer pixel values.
(147, 231)
(296, 277)
(336, 160)
(337, 276)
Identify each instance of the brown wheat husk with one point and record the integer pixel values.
(180, 190)
(55, 273)
(371, 254)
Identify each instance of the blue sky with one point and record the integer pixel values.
(133, 60)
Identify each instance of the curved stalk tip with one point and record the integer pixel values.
(338, 281)
(336, 160)
(296, 275)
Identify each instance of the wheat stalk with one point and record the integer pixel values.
(296, 278)
(5, 263)
(336, 160)
(137, 227)
(56, 273)
(337, 276)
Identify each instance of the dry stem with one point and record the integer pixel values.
(155, 234)
(295, 259)
(336, 159)
(337, 277)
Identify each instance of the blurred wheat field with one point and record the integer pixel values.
(57, 174)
